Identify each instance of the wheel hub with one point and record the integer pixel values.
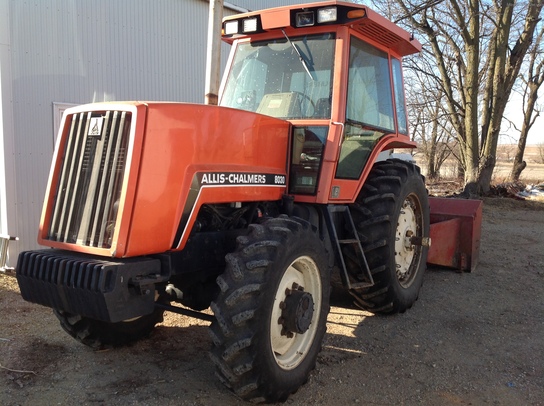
(297, 311)
(294, 322)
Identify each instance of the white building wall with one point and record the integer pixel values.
(254, 5)
(70, 51)
(8, 206)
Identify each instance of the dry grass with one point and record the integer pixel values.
(448, 183)
(533, 154)
(532, 174)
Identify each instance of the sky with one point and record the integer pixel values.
(514, 113)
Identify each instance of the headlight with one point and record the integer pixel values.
(231, 27)
(250, 25)
(305, 19)
(326, 15)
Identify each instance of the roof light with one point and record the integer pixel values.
(250, 25)
(305, 19)
(357, 13)
(327, 15)
(231, 27)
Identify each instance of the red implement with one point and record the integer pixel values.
(455, 233)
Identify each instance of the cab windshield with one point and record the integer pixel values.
(288, 78)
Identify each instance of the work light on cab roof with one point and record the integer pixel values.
(306, 17)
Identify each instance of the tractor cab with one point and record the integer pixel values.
(333, 70)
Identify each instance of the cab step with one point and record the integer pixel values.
(340, 222)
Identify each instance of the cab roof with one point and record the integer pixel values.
(330, 13)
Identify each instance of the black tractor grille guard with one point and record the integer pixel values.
(81, 284)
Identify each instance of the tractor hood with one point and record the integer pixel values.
(129, 178)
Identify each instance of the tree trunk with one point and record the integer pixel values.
(457, 53)
(470, 147)
(519, 163)
(533, 81)
(431, 165)
(505, 71)
(517, 169)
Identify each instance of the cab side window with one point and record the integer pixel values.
(402, 121)
(369, 87)
(369, 109)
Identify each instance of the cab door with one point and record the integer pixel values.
(375, 115)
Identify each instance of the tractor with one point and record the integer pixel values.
(252, 208)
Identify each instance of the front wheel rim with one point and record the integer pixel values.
(290, 349)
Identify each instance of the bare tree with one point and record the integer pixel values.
(541, 152)
(430, 125)
(479, 48)
(532, 80)
(504, 72)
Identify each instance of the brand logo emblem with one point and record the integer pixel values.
(95, 126)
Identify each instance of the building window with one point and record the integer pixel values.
(58, 111)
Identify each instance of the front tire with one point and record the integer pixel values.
(392, 218)
(272, 310)
(100, 334)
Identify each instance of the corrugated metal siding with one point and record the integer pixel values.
(261, 4)
(97, 50)
(104, 50)
(7, 135)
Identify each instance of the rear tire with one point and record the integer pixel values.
(391, 208)
(100, 334)
(272, 310)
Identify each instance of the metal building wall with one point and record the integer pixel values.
(69, 51)
(8, 207)
(261, 4)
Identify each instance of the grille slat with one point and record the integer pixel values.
(110, 177)
(92, 184)
(59, 213)
(91, 177)
(76, 165)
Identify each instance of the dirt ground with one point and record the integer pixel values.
(471, 339)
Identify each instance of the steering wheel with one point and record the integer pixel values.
(303, 97)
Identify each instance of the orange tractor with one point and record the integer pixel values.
(249, 207)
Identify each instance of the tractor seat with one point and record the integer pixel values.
(323, 108)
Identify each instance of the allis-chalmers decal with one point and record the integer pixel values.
(210, 179)
(237, 178)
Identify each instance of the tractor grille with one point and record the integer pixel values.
(90, 179)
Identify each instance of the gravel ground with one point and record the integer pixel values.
(471, 339)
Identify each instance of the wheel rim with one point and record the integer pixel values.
(290, 349)
(407, 254)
